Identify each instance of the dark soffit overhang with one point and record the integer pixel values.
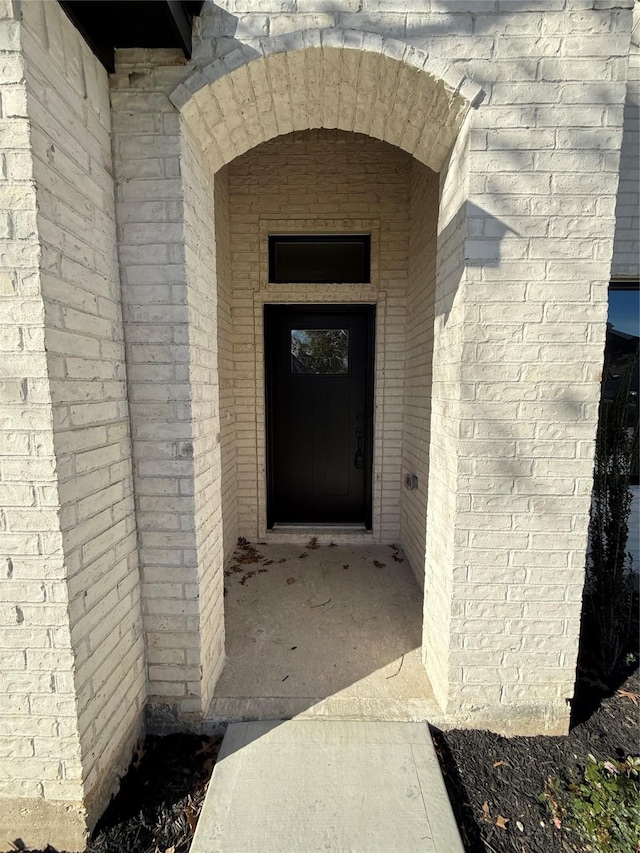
(109, 24)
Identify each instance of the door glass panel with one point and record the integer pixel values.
(320, 351)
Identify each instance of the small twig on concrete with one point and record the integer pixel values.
(399, 668)
(323, 603)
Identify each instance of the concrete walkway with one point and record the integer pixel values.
(302, 786)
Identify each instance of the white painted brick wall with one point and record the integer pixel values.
(419, 354)
(200, 261)
(68, 105)
(442, 500)
(626, 245)
(168, 269)
(151, 232)
(228, 454)
(83, 639)
(68, 102)
(39, 738)
(541, 382)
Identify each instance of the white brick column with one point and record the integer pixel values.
(442, 492)
(527, 339)
(38, 713)
(204, 375)
(167, 262)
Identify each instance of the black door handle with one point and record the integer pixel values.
(358, 459)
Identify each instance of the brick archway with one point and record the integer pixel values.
(329, 78)
(323, 79)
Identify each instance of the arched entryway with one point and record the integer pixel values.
(488, 548)
(367, 89)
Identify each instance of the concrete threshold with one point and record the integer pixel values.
(302, 786)
(300, 534)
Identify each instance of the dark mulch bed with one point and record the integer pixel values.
(160, 798)
(490, 777)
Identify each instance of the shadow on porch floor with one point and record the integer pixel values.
(326, 632)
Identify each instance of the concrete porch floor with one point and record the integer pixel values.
(331, 632)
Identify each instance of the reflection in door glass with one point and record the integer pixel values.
(320, 351)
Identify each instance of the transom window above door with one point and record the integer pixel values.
(320, 259)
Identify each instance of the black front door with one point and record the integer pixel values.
(319, 395)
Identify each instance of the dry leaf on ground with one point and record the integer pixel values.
(191, 814)
(138, 754)
(627, 694)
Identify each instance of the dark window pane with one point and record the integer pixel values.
(318, 351)
(623, 336)
(320, 259)
(624, 311)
